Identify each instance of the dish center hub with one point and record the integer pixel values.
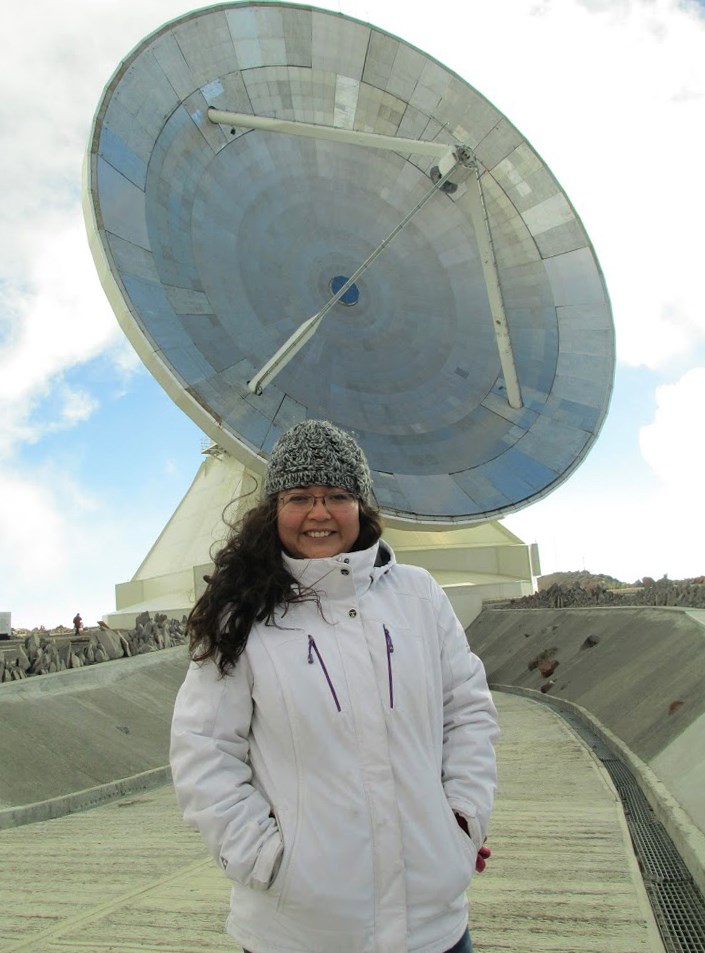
(351, 296)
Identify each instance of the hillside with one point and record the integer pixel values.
(584, 579)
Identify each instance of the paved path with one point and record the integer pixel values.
(128, 877)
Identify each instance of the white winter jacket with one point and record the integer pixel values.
(324, 772)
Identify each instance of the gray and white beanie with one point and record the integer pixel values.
(317, 453)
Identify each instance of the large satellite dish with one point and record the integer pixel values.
(295, 214)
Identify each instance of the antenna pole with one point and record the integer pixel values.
(481, 225)
(309, 130)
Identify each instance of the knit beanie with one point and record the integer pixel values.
(317, 453)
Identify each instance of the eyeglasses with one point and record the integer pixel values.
(335, 502)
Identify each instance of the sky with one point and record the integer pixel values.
(94, 457)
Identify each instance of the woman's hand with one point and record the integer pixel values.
(481, 859)
(483, 853)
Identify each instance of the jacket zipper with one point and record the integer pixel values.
(390, 649)
(312, 647)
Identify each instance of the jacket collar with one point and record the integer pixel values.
(323, 575)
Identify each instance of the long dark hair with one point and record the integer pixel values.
(249, 581)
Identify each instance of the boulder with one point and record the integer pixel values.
(21, 660)
(32, 645)
(110, 642)
(547, 666)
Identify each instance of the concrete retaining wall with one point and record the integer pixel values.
(639, 671)
(73, 730)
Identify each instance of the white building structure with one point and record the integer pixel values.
(472, 563)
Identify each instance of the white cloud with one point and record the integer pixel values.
(59, 320)
(77, 406)
(622, 531)
(53, 312)
(62, 318)
(672, 444)
(65, 547)
(630, 519)
(33, 541)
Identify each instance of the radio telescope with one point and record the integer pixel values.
(295, 214)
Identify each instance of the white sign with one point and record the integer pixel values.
(5, 623)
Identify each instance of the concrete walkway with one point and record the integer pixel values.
(128, 876)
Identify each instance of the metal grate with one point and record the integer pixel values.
(678, 909)
(659, 860)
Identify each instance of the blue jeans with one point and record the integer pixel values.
(464, 945)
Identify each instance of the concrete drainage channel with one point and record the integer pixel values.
(677, 903)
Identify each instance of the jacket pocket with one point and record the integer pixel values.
(441, 858)
(269, 863)
(467, 844)
(278, 885)
(463, 842)
(400, 663)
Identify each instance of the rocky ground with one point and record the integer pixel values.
(43, 652)
(575, 589)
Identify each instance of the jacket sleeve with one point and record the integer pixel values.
(212, 775)
(470, 729)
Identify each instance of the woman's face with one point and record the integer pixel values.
(315, 531)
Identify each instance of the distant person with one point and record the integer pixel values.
(333, 740)
(77, 624)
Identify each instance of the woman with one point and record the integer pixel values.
(333, 739)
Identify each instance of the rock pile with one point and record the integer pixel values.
(688, 593)
(42, 654)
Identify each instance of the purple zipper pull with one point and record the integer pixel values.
(390, 649)
(312, 647)
(388, 639)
